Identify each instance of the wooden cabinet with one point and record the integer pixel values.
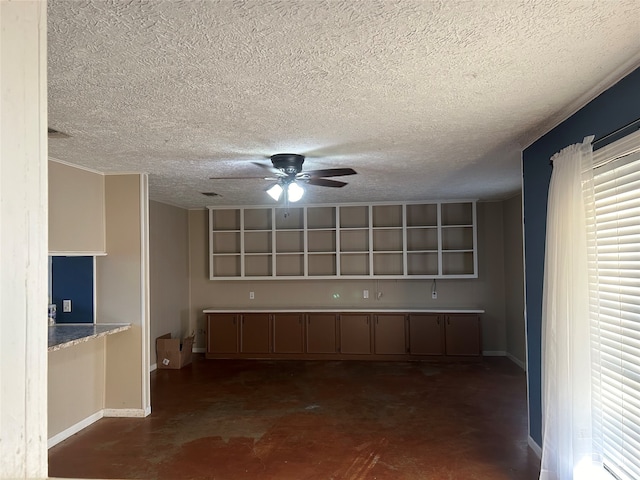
(255, 333)
(390, 334)
(355, 333)
(288, 333)
(343, 336)
(401, 240)
(321, 333)
(222, 333)
(426, 334)
(462, 335)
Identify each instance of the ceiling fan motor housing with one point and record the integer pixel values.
(289, 163)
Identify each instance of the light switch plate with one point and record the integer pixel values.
(66, 306)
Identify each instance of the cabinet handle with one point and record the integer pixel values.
(438, 320)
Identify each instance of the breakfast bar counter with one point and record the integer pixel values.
(65, 335)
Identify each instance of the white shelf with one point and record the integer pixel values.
(386, 240)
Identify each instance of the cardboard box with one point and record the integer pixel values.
(171, 353)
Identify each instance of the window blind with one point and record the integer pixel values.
(615, 309)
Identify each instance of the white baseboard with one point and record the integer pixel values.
(125, 412)
(73, 429)
(199, 350)
(494, 353)
(517, 361)
(153, 367)
(107, 412)
(534, 446)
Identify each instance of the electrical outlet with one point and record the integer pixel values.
(365, 294)
(66, 306)
(434, 295)
(251, 295)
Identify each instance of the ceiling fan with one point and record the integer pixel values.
(289, 177)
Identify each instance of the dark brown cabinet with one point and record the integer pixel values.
(255, 333)
(321, 332)
(462, 335)
(288, 333)
(343, 336)
(222, 333)
(355, 333)
(390, 334)
(426, 334)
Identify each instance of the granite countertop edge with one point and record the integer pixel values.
(70, 334)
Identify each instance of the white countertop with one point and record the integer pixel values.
(343, 310)
(65, 335)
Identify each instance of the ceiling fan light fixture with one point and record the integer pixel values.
(294, 192)
(275, 191)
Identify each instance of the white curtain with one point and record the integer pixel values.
(568, 447)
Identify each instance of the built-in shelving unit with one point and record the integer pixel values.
(386, 240)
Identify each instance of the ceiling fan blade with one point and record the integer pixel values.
(242, 178)
(273, 170)
(331, 172)
(325, 182)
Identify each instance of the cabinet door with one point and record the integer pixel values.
(288, 333)
(321, 333)
(426, 334)
(462, 334)
(255, 333)
(355, 333)
(390, 335)
(222, 333)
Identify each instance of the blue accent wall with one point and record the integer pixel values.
(72, 279)
(611, 110)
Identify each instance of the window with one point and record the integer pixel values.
(615, 304)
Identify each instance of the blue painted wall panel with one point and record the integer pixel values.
(72, 279)
(610, 111)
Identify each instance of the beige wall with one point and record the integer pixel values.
(76, 384)
(120, 292)
(514, 279)
(486, 292)
(76, 210)
(168, 273)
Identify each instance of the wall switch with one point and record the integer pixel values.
(434, 295)
(251, 296)
(365, 294)
(66, 306)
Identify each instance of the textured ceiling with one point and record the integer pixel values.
(424, 99)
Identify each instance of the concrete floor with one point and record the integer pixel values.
(223, 419)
